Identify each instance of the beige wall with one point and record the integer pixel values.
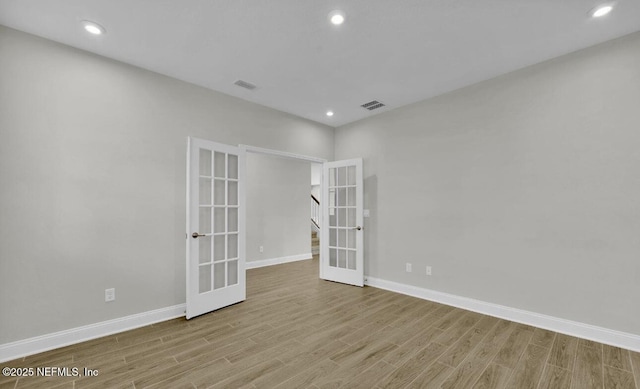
(522, 191)
(278, 208)
(92, 173)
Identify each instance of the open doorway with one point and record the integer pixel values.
(316, 211)
(340, 239)
(283, 207)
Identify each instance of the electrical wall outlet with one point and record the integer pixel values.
(262, 249)
(428, 270)
(408, 268)
(109, 294)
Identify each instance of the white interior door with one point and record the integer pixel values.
(342, 247)
(215, 226)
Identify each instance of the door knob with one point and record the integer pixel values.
(357, 228)
(196, 235)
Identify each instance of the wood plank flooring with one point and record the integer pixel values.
(296, 331)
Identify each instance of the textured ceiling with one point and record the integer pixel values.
(397, 52)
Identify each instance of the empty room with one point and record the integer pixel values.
(310, 194)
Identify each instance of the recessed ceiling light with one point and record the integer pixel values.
(601, 10)
(336, 17)
(329, 113)
(93, 28)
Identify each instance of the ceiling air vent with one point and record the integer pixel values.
(371, 105)
(245, 85)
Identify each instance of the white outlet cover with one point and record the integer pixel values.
(428, 270)
(109, 294)
(408, 268)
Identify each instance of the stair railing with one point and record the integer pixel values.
(315, 211)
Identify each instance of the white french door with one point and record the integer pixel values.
(342, 235)
(215, 226)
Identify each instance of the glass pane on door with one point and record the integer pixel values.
(204, 283)
(233, 193)
(342, 176)
(219, 224)
(219, 275)
(351, 259)
(205, 191)
(205, 162)
(233, 219)
(232, 171)
(232, 246)
(342, 259)
(218, 248)
(351, 175)
(205, 220)
(219, 164)
(351, 239)
(204, 245)
(342, 197)
(219, 192)
(232, 272)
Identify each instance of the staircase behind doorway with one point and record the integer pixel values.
(315, 243)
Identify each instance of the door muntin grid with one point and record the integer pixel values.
(218, 202)
(342, 217)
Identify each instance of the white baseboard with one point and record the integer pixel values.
(568, 327)
(22, 348)
(38, 344)
(277, 261)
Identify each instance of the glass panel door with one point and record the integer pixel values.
(343, 250)
(215, 262)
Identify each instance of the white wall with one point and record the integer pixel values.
(316, 179)
(316, 174)
(522, 191)
(92, 173)
(278, 210)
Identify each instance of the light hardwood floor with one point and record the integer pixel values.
(296, 331)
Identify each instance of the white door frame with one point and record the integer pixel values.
(297, 157)
(283, 154)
